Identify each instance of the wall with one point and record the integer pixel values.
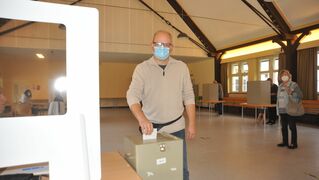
(115, 79)
(20, 74)
(202, 72)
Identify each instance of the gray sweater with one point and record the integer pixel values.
(163, 93)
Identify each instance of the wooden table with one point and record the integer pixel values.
(209, 102)
(256, 106)
(115, 167)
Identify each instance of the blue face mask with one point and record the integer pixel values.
(161, 53)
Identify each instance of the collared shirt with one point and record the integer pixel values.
(163, 92)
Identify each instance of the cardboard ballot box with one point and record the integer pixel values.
(157, 159)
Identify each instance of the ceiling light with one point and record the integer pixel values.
(40, 56)
(60, 84)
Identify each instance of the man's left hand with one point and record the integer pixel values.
(191, 132)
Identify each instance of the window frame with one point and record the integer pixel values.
(271, 67)
(240, 74)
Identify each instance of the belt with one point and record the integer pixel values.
(160, 126)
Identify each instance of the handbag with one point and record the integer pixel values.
(295, 108)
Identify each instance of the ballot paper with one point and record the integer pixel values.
(151, 136)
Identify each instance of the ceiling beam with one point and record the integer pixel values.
(191, 24)
(16, 28)
(262, 17)
(247, 44)
(276, 21)
(302, 30)
(275, 16)
(3, 21)
(181, 33)
(305, 29)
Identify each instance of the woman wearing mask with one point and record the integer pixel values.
(287, 89)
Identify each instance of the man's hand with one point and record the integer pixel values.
(146, 126)
(190, 132)
(191, 129)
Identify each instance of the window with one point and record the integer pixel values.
(244, 84)
(239, 79)
(235, 84)
(268, 68)
(234, 69)
(264, 65)
(244, 77)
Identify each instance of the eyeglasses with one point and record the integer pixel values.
(160, 44)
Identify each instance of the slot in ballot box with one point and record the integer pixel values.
(157, 159)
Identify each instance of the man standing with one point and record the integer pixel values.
(164, 87)
(272, 110)
(218, 106)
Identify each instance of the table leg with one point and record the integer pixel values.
(222, 109)
(264, 116)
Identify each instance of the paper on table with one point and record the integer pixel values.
(151, 136)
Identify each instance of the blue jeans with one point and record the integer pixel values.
(181, 134)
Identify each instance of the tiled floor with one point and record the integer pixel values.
(230, 148)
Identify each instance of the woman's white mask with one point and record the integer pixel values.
(285, 78)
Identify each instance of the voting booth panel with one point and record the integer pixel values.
(70, 143)
(157, 159)
(210, 92)
(258, 92)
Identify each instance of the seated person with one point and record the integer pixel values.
(218, 106)
(25, 97)
(23, 107)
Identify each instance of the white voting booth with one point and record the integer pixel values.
(210, 92)
(70, 143)
(258, 92)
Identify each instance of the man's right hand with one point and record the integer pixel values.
(146, 127)
(145, 124)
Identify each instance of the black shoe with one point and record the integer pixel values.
(293, 146)
(268, 122)
(282, 145)
(272, 122)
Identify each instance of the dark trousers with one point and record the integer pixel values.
(272, 114)
(181, 134)
(291, 121)
(218, 107)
